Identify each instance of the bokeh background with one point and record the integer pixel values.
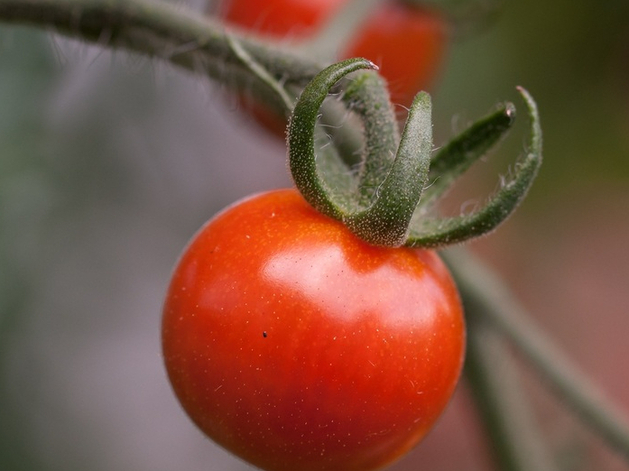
(109, 162)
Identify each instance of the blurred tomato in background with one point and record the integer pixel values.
(408, 43)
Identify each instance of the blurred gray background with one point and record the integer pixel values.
(110, 162)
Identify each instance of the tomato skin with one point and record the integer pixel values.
(297, 346)
(407, 43)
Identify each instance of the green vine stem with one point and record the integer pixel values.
(486, 296)
(170, 33)
(495, 385)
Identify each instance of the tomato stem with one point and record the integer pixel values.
(391, 182)
(389, 206)
(495, 384)
(173, 34)
(485, 296)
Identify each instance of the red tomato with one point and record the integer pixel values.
(407, 43)
(299, 347)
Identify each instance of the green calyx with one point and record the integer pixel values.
(387, 196)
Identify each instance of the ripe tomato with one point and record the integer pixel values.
(297, 346)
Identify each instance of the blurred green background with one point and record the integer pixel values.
(109, 162)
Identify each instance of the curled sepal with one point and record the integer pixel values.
(368, 97)
(301, 137)
(439, 232)
(452, 160)
(386, 221)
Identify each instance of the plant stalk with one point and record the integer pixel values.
(167, 32)
(486, 296)
(492, 374)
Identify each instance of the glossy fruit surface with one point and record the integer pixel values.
(298, 347)
(407, 43)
